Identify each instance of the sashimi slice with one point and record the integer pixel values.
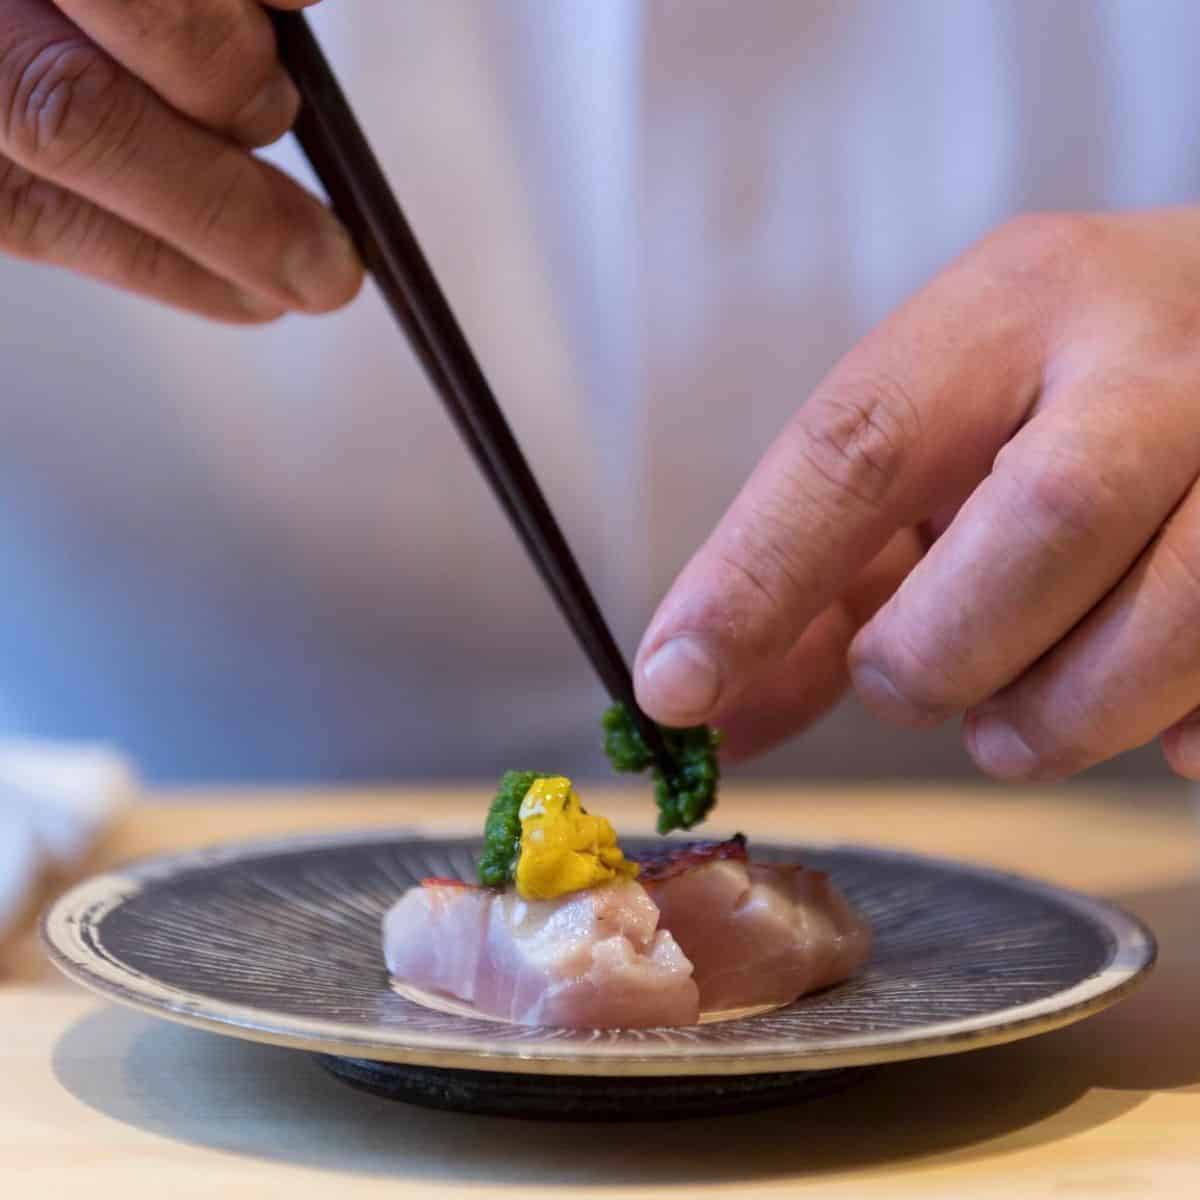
(592, 958)
(755, 933)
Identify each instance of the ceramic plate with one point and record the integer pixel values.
(279, 942)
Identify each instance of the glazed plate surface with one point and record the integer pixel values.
(280, 942)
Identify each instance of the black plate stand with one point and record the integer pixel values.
(586, 1098)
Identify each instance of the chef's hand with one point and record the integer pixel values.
(988, 508)
(125, 136)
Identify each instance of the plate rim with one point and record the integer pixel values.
(68, 931)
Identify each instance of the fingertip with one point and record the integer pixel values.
(341, 296)
(352, 287)
(257, 310)
(269, 114)
(1003, 752)
(227, 306)
(679, 681)
(1181, 748)
(324, 272)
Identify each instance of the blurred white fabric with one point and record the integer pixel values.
(264, 554)
(55, 801)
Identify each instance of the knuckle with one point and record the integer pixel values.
(217, 35)
(745, 593)
(1168, 332)
(202, 38)
(1058, 496)
(63, 105)
(224, 55)
(1062, 498)
(35, 216)
(861, 435)
(1041, 248)
(757, 578)
(745, 587)
(16, 188)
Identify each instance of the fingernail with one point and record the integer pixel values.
(999, 749)
(323, 271)
(885, 700)
(680, 681)
(1183, 741)
(270, 114)
(260, 306)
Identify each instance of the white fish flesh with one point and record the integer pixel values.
(593, 958)
(755, 933)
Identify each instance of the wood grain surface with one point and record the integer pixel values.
(121, 1106)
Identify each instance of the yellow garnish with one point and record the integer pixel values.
(563, 848)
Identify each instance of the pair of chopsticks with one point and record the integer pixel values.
(335, 145)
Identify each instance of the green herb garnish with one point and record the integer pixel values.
(687, 798)
(502, 829)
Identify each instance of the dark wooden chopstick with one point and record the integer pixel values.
(335, 145)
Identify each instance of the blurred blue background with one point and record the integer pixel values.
(262, 554)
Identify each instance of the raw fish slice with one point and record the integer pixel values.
(592, 958)
(448, 963)
(755, 933)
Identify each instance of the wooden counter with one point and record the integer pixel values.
(107, 1104)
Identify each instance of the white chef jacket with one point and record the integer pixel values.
(264, 554)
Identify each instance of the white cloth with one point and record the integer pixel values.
(55, 800)
(264, 553)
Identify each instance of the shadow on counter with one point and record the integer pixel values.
(276, 1104)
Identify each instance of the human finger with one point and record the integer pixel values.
(45, 223)
(1070, 503)
(73, 116)
(1128, 672)
(213, 60)
(912, 416)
